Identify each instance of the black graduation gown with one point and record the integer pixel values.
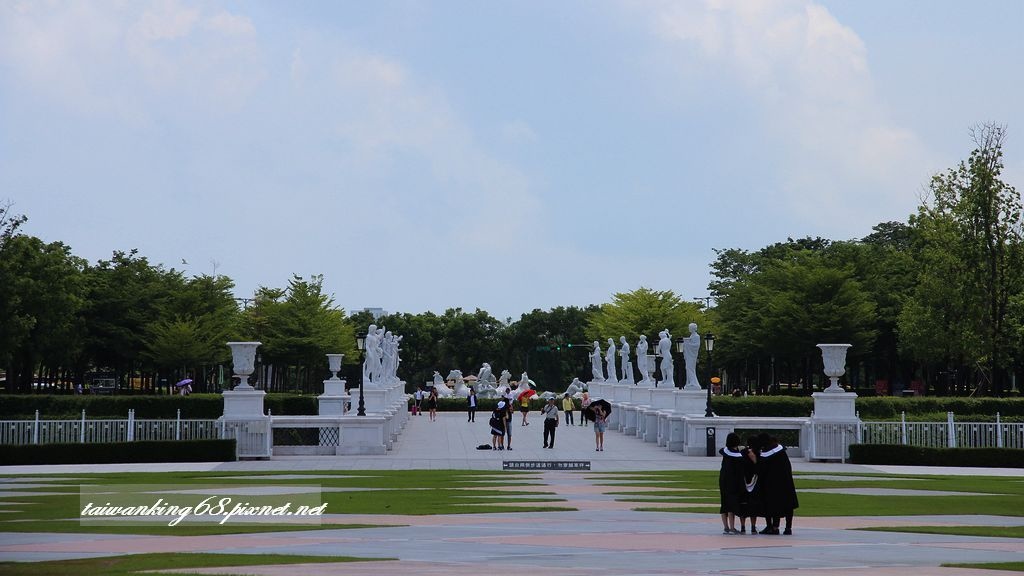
(731, 487)
(775, 477)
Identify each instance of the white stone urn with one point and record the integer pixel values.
(834, 356)
(243, 360)
(334, 362)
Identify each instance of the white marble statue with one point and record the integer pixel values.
(642, 362)
(438, 380)
(388, 351)
(609, 358)
(485, 374)
(372, 360)
(691, 349)
(575, 389)
(595, 363)
(524, 385)
(503, 380)
(627, 368)
(665, 352)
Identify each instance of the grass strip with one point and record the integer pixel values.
(1009, 566)
(135, 563)
(987, 531)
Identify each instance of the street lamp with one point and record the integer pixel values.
(680, 348)
(709, 344)
(361, 344)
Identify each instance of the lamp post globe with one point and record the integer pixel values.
(709, 345)
(361, 344)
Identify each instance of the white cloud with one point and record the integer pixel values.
(111, 59)
(808, 75)
(519, 132)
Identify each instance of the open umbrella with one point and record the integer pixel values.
(184, 382)
(588, 413)
(526, 394)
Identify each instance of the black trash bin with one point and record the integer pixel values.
(711, 440)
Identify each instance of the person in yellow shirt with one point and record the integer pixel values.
(568, 406)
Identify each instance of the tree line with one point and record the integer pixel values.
(937, 299)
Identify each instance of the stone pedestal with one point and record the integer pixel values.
(376, 400)
(663, 398)
(334, 399)
(243, 403)
(691, 401)
(362, 435)
(835, 406)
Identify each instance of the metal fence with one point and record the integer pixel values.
(84, 431)
(832, 441)
(948, 434)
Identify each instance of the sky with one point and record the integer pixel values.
(424, 155)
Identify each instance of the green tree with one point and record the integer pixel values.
(297, 327)
(970, 250)
(644, 311)
(40, 303)
(786, 306)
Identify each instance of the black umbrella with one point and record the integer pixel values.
(605, 406)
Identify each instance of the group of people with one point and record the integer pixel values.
(423, 399)
(503, 415)
(756, 480)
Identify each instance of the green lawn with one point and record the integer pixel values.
(133, 564)
(420, 492)
(1010, 566)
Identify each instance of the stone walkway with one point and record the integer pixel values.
(603, 537)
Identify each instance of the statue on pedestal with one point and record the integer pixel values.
(691, 348)
(595, 363)
(609, 357)
(641, 359)
(665, 352)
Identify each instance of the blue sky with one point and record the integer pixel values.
(506, 156)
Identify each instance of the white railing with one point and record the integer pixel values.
(948, 434)
(84, 431)
(831, 441)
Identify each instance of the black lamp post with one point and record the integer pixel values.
(361, 344)
(709, 344)
(680, 348)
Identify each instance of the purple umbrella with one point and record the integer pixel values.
(184, 382)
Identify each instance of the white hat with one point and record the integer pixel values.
(501, 405)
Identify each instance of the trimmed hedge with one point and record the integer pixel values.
(899, 455)
(119, 452)
(52, 407)
(57, 406)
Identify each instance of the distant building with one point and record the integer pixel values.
(376, 312)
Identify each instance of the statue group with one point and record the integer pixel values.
(645, 362)
(380, 366)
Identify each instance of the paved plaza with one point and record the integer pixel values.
(602, 537)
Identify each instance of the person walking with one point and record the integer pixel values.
(568, 406)
(472, 405)
(497, 423)
(732, 490)
(550, 413)
(524, 407)
(600, 424)
(584, 404)
(432, 404)
(417, 407)
(775, 473)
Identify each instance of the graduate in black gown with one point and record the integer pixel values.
(778, 492)
(752, 508)
(731, 487)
